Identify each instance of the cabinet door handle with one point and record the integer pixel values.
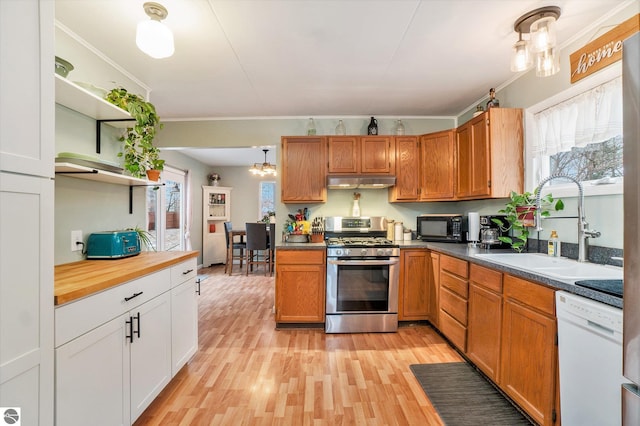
(188, 271)
(137, 317)
(126, 299)
(198, 287)
(129, 322)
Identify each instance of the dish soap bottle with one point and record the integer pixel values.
(553, 246)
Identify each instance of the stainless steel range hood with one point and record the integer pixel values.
(362, 181)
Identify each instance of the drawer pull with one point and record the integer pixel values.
(188, 271)
(126, 299)
(198, 288)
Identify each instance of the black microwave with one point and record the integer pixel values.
(446, 228)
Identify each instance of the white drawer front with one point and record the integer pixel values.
(81, 316)
(184, 271)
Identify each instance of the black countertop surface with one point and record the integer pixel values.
(462, 251)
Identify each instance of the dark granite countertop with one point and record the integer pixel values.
(462, 251)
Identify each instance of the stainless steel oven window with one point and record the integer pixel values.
(362, 286)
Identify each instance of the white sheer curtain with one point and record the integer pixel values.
(188, 211)
(590, 117)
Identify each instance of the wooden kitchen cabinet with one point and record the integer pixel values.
(425, 168)
(435, 289)
(437, 166)
(485, 320)
(303, 169)
(361, 155)
(453, 296)
(489, 155)
(184, 313)
(416, 285)
(300, 286)
(529, 353)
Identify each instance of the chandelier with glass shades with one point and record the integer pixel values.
(265, 168)
(541, 48)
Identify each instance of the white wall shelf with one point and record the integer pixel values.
(78, 99)
(90, 173)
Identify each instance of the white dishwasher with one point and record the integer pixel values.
(590, 356)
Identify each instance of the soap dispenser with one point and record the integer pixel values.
(553, 245)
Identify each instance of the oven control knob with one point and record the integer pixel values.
(338, 252)
(347, 252)
(389, 252)
(363, 251)
(380, 252)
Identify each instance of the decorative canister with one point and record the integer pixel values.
(390, 230)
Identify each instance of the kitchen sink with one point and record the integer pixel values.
(560, 268)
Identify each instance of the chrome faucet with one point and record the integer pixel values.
(583, 227)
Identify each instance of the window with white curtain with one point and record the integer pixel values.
(579, 133)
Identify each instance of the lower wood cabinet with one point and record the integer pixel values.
(415, 289)
(529, 353)
(454, 292)
(506, 326)
(485, 320)
(300, 286)
(116, 350)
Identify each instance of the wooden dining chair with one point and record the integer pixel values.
(257, 252)
(235, 249)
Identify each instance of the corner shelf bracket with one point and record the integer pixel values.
(131, 193)
(99, 127)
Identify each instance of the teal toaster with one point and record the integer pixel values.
(113, 245)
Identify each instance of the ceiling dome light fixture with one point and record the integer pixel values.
(265, 168)
(152, 36)
(541, 25)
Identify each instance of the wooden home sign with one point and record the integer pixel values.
(602, 51)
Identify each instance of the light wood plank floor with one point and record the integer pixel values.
(247, 372)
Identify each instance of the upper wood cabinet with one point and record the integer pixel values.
(361, 154)
(407, 187)
(437, 177)
(489, 154)
(425, 167)
(303, 169)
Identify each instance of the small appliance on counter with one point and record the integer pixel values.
(113, 245)
(444, 228)
(490, 232)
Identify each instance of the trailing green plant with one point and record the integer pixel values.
(138, 151)
(515, 216)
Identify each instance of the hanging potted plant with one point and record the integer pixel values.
(138, 151)
(520, 216)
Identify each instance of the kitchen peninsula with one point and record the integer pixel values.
(128, 324)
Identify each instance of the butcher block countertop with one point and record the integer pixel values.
(79, 279)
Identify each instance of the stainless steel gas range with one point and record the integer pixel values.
(362, 279)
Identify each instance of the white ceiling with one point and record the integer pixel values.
(275, 58)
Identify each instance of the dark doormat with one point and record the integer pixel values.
(463, 397)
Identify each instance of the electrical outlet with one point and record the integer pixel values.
(76, 237)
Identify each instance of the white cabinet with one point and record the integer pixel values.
(184, 314)
(216, 210)
(150, 352)
(117, 349)
(92, 377)
(26, 208)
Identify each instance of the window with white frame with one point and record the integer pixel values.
(578, 133)
(267, 198)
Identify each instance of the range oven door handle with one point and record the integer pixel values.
(363, 262)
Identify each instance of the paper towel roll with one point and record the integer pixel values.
(474, 226)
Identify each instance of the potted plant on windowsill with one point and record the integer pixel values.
(520, 216)
(138, 151)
